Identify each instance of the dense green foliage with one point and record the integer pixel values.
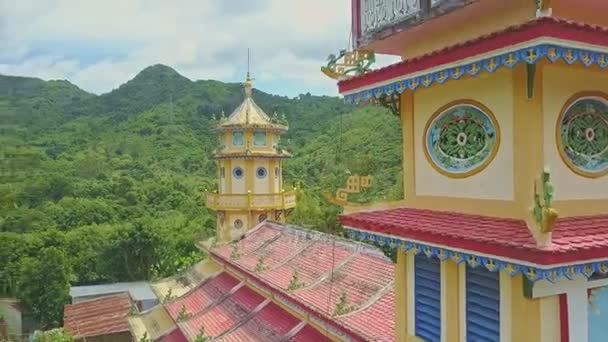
(115, 181)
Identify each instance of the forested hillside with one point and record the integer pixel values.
(111, 185)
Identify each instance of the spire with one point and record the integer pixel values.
(248, 80)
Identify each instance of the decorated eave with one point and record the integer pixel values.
(547, 38)
(579, 244)
(271, 127)
(252, 154)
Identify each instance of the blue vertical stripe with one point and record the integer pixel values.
(483, 305)
(427, 287)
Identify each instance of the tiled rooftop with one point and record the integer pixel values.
(575, 239)
(270, 324)
(98, 317)
(203, 296)
(223, 316)
(361, 272)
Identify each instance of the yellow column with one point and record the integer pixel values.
(401, 297)
(228, 166)
(407, 127)
(524, 315)
(450, 304)
(528, 135)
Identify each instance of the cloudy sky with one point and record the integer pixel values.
(100, 44)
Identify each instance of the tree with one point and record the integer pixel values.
(44, 286)
(55, 335)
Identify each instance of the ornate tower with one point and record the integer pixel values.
(250, 186)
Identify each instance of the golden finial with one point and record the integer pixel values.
(248, 80)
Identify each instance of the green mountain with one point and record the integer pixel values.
(115, 181)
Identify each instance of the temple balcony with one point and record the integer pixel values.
(251, 201)
(413, 27)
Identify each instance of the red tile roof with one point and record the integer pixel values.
(226, 314)
(575, 239)
(362, 272)
(203, 296)
(175, 335)
(270, 324)
(308, 334)
(277, 251)
(382, 313)
(254, 240)
(311, 264)
(97, 317)
(542, 27)
(360, 279)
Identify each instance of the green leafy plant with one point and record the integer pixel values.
(342, 306)
(235, 254)
(144, 338)
(183, 314)
(201, 336)
(169, 296)
(294, 283)
(260, 266)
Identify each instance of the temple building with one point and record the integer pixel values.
(503, 231)
(250, 186)
(265, 280)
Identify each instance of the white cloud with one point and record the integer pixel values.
(101, 44)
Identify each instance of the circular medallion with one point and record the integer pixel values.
(461, 139)
(582, 134)
(238, 224)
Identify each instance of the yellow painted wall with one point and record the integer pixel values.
(560, 83)
(261, 185)
(238, 185)
(495, 182)
(459, 27)
(401, 297)
(525, 314)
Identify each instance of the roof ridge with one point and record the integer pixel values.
(372, 300)
(291, 333)
(103, 297)
(246, 319)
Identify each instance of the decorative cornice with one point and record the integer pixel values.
(531, 54)
(493, 264)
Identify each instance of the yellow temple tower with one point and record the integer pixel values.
(250, 185)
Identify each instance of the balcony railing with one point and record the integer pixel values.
(371, 17)
(250, 201)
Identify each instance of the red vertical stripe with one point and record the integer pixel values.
(356, 21)
(563, 318)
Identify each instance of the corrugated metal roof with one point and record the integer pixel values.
(139, 291)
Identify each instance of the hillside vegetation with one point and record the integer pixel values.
(114, 182)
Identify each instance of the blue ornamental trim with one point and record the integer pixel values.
(532, 273)
(530, 55)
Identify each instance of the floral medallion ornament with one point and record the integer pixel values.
(582, 134)
(461, 139)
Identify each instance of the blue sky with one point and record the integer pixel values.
(99, 45)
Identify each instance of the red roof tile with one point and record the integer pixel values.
(203, 296)
(382, 313)
(270, 324)
(275, 253)
(174, 336)
(360, 279)
(97, 317)
(363, 272)
(313, 262)
(575, 239)
(221, 317)
(251, 242)
(309, 334)
(541, 27)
